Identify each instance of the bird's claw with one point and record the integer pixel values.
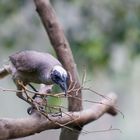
(31, 109)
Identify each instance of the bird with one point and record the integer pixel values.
(32, 66)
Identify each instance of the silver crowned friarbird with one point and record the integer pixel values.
(36, 67)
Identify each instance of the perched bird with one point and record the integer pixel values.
(36, 67)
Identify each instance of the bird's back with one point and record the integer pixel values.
(30, 61)
(32, 66)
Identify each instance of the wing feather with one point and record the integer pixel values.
(31, 61)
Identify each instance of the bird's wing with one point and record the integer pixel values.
(22, 63)
(31, 61)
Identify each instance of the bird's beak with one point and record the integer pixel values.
(63, 86)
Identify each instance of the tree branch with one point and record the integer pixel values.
(60, 45)
(15, 128)
(62, 49)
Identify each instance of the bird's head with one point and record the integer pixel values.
(60, 77)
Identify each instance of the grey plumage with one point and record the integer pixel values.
(35, 67)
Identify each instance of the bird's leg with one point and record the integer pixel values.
(20, 95)
(60, 110)
(37, 99)
(23, 87)
(20, 92)
(20, 86)
(33, 87)
(34, 96)
(28, 97)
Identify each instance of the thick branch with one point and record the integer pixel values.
(15, 128)
(62, 49)
(60, 45)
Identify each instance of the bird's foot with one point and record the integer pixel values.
(38, 103)
(31, 109)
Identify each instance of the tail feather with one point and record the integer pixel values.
(4, 72)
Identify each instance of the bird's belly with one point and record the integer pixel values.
(27, 77)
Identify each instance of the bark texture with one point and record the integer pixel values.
(16, 128)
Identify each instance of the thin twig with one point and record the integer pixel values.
(105, 130)
(11, 90)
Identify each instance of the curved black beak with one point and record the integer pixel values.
(61, 80)
(63, 86)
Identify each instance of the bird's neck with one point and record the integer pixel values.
(46, 77)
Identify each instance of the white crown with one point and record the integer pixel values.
(60, 69)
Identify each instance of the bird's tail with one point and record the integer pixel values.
(4, 71)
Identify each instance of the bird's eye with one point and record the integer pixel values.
(57, 77)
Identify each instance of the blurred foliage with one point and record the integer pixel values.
(93, 27)
(105, 23)
(8, 8)
(53, 104)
